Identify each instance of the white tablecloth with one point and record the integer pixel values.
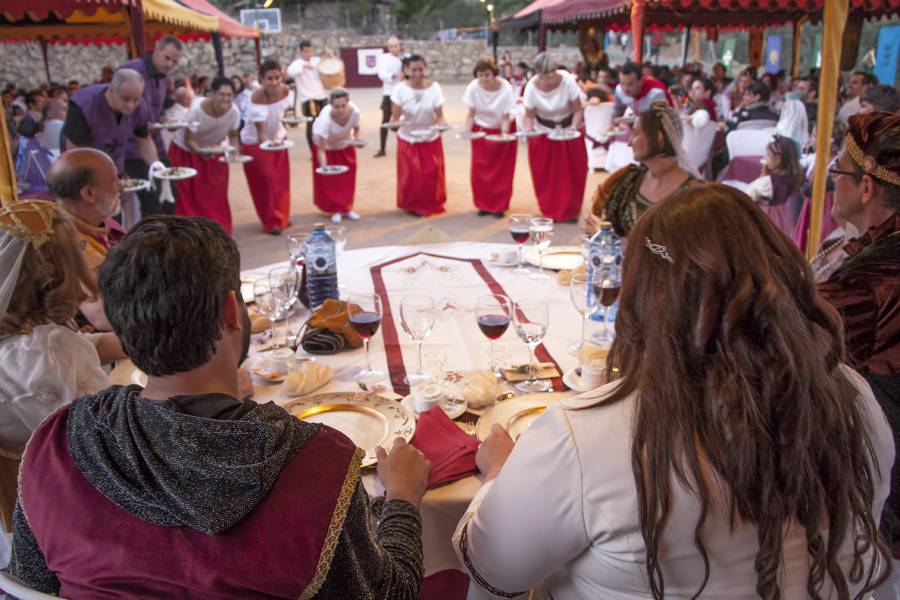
(455, 337)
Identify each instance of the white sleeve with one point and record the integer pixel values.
(760, 189)
(509, 98)
(257, 113)
(467, 95)
(235, 118)
(699, 119)
(437, 95)
(527, 523)
(295, 68)
(383, 73)
(397, 95)
(656, 94)
(573, 92)
(528, 98)
(355, 118)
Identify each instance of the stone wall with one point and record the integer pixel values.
(449, 61)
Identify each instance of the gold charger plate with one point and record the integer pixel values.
(516, 414)
(369, 420)
(558, 258)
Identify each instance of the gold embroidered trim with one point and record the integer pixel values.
(868, 164)
(10, 220)
(337, 524)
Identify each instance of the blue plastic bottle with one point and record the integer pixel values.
(321, 267)
(605, 252)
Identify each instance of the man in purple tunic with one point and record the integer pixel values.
(106, 116)
(154, 69)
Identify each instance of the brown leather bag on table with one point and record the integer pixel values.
(328, 330)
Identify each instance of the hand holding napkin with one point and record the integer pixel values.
(451, 452)
(165, 186)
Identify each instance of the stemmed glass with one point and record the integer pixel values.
(541, 231)
(493, 313)
(531, 319)
(296, 247)
(518, 229)
(283, 284)
(267, 304)
(417, 319)
(583, 301)
(365, 312)
(606, 283)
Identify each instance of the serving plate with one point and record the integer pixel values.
(563, 135)
(369, 420)
(557, 258)
(516, 414)
(236, 158)
(175, 173)
(296, 120)
(501, 137)
(272, 146)
(134, 185)
(332, 169)
(470, 135)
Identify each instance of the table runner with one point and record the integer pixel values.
(423, 273)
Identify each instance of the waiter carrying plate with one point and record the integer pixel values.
(335, 137)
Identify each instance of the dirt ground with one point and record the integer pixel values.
(382, 223)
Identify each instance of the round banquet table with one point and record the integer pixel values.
(435, 270)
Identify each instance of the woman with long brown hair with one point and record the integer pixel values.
(731, 454)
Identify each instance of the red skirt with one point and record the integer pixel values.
(421, 187)
(206, 194)
(559, 174)
(334, 193)
(492, 171)
(269, 178)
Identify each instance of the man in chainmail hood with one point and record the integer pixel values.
(179, 489)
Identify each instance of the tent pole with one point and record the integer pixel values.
(637, 29)
(136, 29)
(257, 45)
(44, 50)
(833, 21)
(795, 46)
(542, 38)
(7, 171)
(217, 50)
(685, 45)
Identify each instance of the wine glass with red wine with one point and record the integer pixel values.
(605, 286)
(519, 229)
(493, 312)
(365, 318)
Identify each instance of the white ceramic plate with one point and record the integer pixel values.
(262, 375)
(444, 127)
(563, 135)
(168, 126)
(216, 149)
(332, 169)
(500, 137)
(269, 145)
(236, 158)
(176, 173)
(470, 135)
(135, 185)
(572, 379)
(454, 408)
(356, 142)
(296, 120)
(391, 125)
(498, 261)
(421, 132)
(529, 134)
(557, 258)
(369, 420)
(516, 414)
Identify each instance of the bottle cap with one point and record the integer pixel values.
(319, 227)
(606, 224)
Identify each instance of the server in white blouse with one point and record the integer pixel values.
(333, 131)
(558, 168)
(44, 362)
(268, 174)
(490, 99)
(218, 119)
(714, 465)
(417, 104)
(390, 72)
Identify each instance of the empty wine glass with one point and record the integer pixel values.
(584, 302)
(531, 319)
(339, 234)
(493, 313)
(267, 304)
(518, 229)
(605, 285)
(296, 246)
(541, 231)
(284, 281)
(417, 319)
(364, 312)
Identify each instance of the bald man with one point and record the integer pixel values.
(106, 116)
(86, 184)
(390, 72)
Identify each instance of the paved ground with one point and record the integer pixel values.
(382, 223)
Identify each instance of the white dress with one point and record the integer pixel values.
(562, 519)
(211, 131)
(271, 115)
(418, 111)
(554, 105)
(333, 134)
(490, 106)
(40, 372)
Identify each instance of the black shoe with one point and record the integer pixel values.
(274, 231)
(380, 153)
(415, 214)
(574, 220)
(499, 215)
(483, 213)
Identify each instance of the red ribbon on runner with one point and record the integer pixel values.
(396, 367)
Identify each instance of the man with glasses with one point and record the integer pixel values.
(866, 287)
(218, 119)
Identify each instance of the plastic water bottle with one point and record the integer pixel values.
(321, 267)
(604, 253)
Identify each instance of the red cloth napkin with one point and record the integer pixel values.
(450, 450)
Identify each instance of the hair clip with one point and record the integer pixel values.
(659, 250)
